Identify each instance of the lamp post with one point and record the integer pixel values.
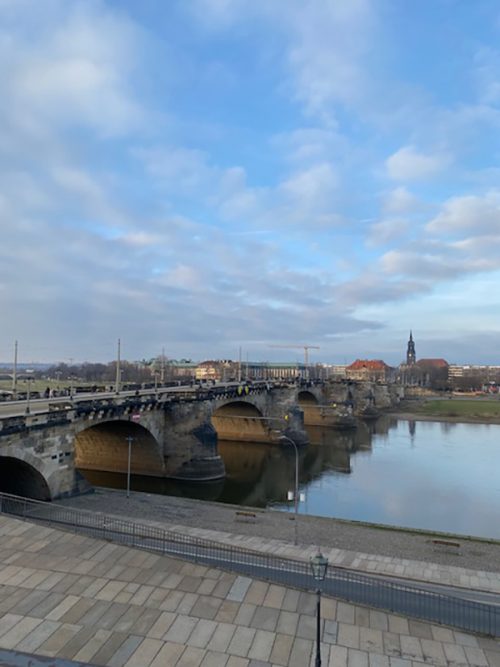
(296, 491)
(319, 565)
(118, 371)
(14, 373)
(129, 439)
(283, 438)
(28, 396)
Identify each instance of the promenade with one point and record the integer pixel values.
(75, 598)
(367, 548)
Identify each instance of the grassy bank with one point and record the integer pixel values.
(477, 409)
(37, 385)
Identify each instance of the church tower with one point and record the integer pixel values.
(411, 357)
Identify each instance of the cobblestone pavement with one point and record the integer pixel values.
(72, 597)
(413, 555)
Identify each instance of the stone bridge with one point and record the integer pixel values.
(171, 435)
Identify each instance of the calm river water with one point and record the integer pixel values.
(430, 475)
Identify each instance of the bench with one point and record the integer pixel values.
(241, 515)
(447, 545)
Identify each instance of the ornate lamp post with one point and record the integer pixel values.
(319, 565)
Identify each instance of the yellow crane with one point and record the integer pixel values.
(306, 349)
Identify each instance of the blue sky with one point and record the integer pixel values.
(214, 174)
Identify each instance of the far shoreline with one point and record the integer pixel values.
(415, 416)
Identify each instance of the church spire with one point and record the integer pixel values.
(411, 356)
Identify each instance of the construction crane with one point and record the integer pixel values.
(306, 349)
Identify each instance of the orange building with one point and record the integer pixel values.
(372, 370)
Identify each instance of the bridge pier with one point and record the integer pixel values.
(190, 444)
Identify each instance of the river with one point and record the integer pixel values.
(431, 475)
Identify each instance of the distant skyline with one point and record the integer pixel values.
(214, 174)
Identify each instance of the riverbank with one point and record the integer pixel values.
(168, 511)
(480, 410)
(421, 417)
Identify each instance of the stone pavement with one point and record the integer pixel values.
(448, 575)
(72, 597)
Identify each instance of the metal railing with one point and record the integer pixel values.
(394, 596)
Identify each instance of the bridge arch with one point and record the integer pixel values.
(307, 397)
(104, 447)
(309, 405)
(22, 479)
(241, 420)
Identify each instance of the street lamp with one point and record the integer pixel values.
(28, 395)
(136, 417)
(129, 439)
(319, 565)
(296, 492)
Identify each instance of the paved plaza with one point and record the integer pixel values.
(80, 599)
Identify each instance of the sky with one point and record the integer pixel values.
(207, 176)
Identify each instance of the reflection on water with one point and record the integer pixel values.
(168, 487)
(429, 475)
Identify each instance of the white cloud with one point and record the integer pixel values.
(313, 187)
(309, 144)
(329, 44)
(399, 201)
(184, 277)
(75, 74)
(386, 231)
(468, 214)
(326, 45)
(407, 164)
(421, 264)
(179, 170)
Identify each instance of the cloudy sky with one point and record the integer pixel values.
(206, 175)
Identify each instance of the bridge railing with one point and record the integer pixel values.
(403, 598)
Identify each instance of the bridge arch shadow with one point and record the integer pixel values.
(104, 447)
(307, 398)
(309, 405)
(239, 420)
(22, 479)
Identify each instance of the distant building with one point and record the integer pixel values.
(274, 370)
(335, 370)
(431, 373)
(411, 356)
(437, 364)
(434, 373)
(226, 370)
(472, 377)
(222, 370)
(181, 370)
(369, 370)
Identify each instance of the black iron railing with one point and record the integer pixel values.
(394, 596)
